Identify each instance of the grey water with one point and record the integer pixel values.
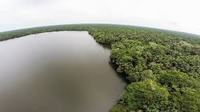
(57, 72)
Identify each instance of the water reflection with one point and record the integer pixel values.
(57, 72)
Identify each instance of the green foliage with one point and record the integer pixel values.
(119, 108)
(162, 67)
(184, 91)
(175, 69)
(177, 80)
(145, 95)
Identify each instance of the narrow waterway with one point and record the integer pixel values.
(57, 72)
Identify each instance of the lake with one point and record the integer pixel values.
(57, 72)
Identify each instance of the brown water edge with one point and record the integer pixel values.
(57, 72)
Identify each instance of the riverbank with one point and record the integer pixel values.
(162, 67)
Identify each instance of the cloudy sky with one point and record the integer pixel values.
(179, 15)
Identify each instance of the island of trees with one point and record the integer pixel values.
(161, 68)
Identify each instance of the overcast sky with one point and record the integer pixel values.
(179, 15)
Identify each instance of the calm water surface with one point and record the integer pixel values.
(57, 72)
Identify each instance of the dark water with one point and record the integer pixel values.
(57, 72)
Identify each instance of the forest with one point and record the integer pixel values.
(161, 68)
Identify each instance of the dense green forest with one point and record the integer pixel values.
(162, 68)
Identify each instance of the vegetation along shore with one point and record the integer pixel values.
(162, 68)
